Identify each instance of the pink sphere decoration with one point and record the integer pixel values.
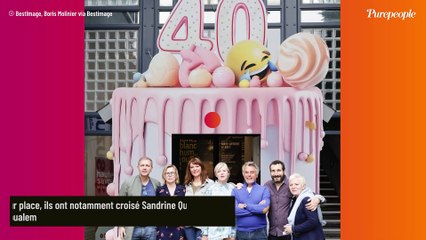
(223, 77)
(129, 170)
(162, 160)
(302, 156)
(111, 189)
(275, 80)
(255, 81)
(200, 78)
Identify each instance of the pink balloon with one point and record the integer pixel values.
(223, 77)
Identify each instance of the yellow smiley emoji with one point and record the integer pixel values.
(248, 59)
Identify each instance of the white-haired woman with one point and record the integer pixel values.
(303, 224)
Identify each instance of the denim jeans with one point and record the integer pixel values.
(144, 233)
(193, 233)
(258, 234)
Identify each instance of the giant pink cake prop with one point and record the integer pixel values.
(182, 110)
(288, 119)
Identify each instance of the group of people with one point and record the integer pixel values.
(291, 207)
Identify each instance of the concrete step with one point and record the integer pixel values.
(332, 198)
(332, 215)
(328, 191)
(332, 233)
(324, 177)
(332, 223)
(325, 184)
(330, 206)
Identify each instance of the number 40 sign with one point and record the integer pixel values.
(187, 16)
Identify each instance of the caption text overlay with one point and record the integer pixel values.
(122, 211)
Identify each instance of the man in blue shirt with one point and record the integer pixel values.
(251, 205)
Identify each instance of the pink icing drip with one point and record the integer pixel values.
(281, 130)
(161, 105)
(263, 113)
(232, 118)
(198, 116)
(302, 127)
(318, 138)
(249, 103)
(311, 132)
(294, 118)
(115, 142)
(176, 115)
(287, 122)
(132, 123)
(144, 102)
(126, 141)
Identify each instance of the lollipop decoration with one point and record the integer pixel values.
(303, 60)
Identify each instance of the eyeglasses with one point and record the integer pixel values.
(170, 173)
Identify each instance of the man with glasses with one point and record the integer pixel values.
(140, 185)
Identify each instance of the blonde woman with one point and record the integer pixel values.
(220, 188)
(170, 188)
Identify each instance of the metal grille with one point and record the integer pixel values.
(330, 86)
(89, 3)
(110, 61)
